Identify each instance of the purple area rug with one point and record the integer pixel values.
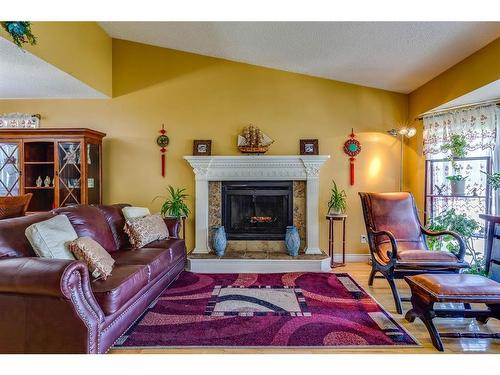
(265, 310)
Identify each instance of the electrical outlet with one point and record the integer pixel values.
(363, 238)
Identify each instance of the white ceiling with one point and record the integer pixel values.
(26, 76)
(486, 93)
(396, 56)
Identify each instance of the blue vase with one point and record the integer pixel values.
(292, 241)
(219, 241)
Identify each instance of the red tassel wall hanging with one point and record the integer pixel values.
(352, 148)
(163, 142)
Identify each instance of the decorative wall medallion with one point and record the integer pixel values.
(163, 142)
(352, 148)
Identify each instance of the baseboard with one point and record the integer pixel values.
(352, 258)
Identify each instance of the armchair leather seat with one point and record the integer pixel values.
(124, 283)
(426, 256)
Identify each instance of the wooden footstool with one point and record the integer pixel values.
(426, 289)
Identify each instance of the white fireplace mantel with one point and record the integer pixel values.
(257, 168)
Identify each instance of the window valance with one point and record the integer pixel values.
(477, 125)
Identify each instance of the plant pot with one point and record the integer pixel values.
(219, 241)
(292, 241)
(457, 187)
(335, 212)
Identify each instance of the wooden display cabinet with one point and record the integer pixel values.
(70, 158)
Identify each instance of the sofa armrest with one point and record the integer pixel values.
(47, 306)
(174, 226)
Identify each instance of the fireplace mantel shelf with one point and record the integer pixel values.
(257, 168)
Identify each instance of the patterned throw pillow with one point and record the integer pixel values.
(90, 252)
(144, 230)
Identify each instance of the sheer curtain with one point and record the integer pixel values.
(480, 127)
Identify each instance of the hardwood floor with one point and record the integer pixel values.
(381, 292)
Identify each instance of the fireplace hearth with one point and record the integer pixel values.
(257, 210)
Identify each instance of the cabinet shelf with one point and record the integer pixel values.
(71, 158)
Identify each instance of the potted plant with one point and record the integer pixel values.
(175, 205)
(457, 184)
(493, 179)
(337, 204)
(467, 228)
(457, 149)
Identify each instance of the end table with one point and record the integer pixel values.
(331, 220)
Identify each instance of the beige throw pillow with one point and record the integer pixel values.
(144, 230)
(135, 212)
(98, 260)
(50, 238)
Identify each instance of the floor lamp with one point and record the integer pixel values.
(403, 132)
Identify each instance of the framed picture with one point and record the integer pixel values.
(202, 147)
(309, 147)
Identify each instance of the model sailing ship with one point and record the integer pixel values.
(253, 141)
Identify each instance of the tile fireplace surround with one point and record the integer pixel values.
(257, 168)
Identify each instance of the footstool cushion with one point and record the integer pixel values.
(455, 288)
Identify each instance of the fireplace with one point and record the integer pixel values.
(257, 210)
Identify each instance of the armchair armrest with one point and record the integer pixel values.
(173, 225)
(456, 236)
(392, 239)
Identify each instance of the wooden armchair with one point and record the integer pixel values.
(14, 206)
(397, 241)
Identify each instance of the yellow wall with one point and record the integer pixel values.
(81, 49)
(200, 97)
(477, 70)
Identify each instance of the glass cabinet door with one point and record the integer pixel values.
(93, 174)
(70, 173)
(9, 169)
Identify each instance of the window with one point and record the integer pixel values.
(468, 192)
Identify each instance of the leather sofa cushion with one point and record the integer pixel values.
(13, 242)
(116, 222)
(156, 260)
(426, 256)
(89, 221)
(123, 284)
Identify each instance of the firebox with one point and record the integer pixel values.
(257, 210)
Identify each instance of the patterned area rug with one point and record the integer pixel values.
(265, 310)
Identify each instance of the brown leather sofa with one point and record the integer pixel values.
(53, 306)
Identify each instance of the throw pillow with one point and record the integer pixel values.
(134, 212)
(144, 230)
(50, 238)
(98, 260)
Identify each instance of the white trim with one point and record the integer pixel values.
(257, 265)
(352, 258)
